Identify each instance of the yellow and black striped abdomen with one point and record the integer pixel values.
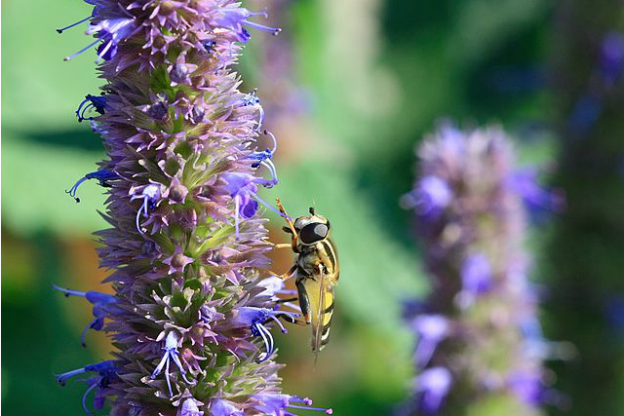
(322, 307)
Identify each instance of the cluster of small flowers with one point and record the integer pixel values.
(191, 314)
(479, 340)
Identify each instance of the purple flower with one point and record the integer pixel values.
(281, 404)
(430, 198)
(102, 175)
(476, 277)
(171, 353)
(252, 100)
(110, 31)
(189, 408)
(106, 373)
(150, 195)
(97, 103)
(274, 285)
(431, 329)
(524, 182)
(104, 305)
(528, 387)
(243, 188)
(234, 18)
(221, 407)
(263, 158)
(178, 261)
(433, 386)
(256, 318)
(158, 111)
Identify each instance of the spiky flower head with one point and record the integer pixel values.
(474, 349)
(193, 308)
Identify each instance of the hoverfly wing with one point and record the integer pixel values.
(317, 326)
(322, 302)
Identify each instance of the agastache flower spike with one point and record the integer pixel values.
(103, 306)
(171, 354)
(102, 175)
(186, 243)
(472, 338)
(97, 103)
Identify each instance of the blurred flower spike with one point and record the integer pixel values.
(472, 341)
(193, 304)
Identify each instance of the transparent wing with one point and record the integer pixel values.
(320, 312)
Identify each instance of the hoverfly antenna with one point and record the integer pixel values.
(312, 210)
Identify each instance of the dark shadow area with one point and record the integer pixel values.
(82, 138)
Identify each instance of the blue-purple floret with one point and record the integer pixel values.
(104, 305)
(103, 176)
(106, 373)
(478, 335)
(194, 303)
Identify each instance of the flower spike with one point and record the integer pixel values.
(191, 317)
(468, 201)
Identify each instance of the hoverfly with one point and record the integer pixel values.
(316, 269)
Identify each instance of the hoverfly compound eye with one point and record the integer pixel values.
(313, 233)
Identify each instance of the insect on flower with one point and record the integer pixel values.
(316, 269)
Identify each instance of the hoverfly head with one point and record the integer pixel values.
(316, 229)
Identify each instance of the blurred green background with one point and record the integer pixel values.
(349, 88)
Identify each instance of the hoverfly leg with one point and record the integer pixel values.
(281, 245)
(288, 275)
(291, 226)
(304, 302)
(286, 300)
